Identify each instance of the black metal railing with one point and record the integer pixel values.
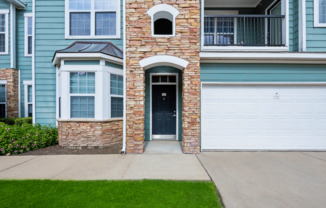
(244, 30)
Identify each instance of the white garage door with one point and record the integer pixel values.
(263, 117)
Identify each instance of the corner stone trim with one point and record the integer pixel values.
(90, 133)
(11, 76)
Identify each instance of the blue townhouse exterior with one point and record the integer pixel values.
(213, 74)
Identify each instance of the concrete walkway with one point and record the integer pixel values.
(268, 179)
(103, 167)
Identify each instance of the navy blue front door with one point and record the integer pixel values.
(163, 111)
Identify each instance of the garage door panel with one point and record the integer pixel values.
(263, 117)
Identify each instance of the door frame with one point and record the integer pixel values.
(177, 101)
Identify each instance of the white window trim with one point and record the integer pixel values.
(102, 89)
(285, 11)
(163, 8)
(92, 12)
(5, 12)
(26, 103)
(26, 16)
(82, 95)
(316, 15)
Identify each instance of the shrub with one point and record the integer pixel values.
(16, 139)
(20, 121)
(9, 121)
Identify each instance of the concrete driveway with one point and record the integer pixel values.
(268, 179)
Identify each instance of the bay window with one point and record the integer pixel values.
(116, 84)
(82, 94)
(93, 18)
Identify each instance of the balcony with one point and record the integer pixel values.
(244, 30)
(256, 26)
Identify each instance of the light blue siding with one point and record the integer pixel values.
(24, 63)
(262, 73)
(5, 58)
(50, 29)
(162, 69)
(316, 36)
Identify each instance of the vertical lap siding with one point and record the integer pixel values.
(50, 36)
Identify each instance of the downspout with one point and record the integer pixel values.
(33, 62)
(124, 79)
(19, 113)
(13, 36)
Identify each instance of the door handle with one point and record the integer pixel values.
(174, 115)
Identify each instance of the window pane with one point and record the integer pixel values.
(30, 110)
(80, 23)
(82, 107)
(2, 93)
(116, 107)
(2, 23)
(322, 11)
(116, 84)
(30, 93)
(29, 44)
(79, 4)
(105, 23)
(2, 110)
(110, 5)
(82, 82)
(2, 43)
(172, 79)
(29, 26)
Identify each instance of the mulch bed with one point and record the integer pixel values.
(57, 150)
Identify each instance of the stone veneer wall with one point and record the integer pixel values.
(90, 133)
(140, 44)
(11, 75)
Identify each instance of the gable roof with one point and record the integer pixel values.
(107, 48)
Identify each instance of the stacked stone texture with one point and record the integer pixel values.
(89, 134)
(11, 75)
(140, 44)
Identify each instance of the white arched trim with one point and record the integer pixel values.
(163, 60)
(163, 8)
(160, 10)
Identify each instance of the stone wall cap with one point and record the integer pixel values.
(85, 120)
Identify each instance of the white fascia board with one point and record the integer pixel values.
(3, 81)
(304, 58)
(17, 3)
(83, 56)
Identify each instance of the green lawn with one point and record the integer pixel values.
(100, 194)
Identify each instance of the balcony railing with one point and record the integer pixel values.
(244, 30)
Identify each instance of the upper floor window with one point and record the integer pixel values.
(28, 34)
(163, 19)
(92, 18)
(320, 13)
(4, 31)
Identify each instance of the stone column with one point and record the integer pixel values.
(11, 76)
